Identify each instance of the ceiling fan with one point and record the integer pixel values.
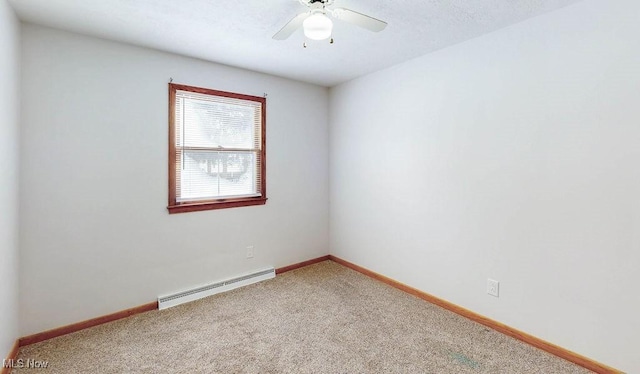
(318, 26)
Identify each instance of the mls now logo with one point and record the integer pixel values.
(24, 363)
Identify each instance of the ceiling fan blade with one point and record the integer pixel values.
(291, 26)
(359, 19)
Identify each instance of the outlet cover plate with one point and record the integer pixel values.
(493, 287)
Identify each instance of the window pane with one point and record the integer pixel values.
(206, 121)
(210, 174)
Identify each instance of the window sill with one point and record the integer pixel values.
(217, 204)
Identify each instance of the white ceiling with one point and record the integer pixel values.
(238, 32)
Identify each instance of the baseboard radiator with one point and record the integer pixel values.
(168, 301)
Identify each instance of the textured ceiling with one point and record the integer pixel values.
(238, 33)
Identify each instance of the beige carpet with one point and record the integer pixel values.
(323, 318)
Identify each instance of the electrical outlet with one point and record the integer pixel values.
(493, 287)
(249, 251)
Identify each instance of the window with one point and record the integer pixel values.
(216, 149)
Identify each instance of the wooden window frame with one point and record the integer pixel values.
(222, 203)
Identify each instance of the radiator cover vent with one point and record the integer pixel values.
(168, 301)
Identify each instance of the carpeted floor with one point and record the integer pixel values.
(324, 318)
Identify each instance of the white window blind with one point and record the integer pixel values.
(218, 143)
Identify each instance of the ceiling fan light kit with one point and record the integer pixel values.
(318, 26)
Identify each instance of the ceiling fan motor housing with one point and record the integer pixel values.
(317, 7)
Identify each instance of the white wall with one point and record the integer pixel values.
(96, 235)
(513, 156)
(9, 131)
